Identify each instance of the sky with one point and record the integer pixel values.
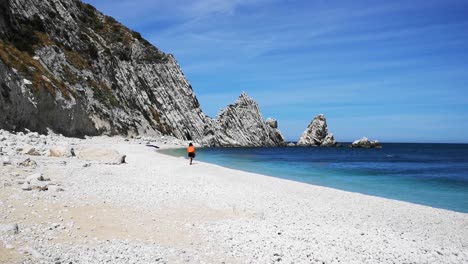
(396, 71)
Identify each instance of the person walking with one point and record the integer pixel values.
(191, 152)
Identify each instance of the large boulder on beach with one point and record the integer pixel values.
(105, 155)
(366, 143)
(60, 151)
(316, 133)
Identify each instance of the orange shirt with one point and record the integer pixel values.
(191, 149)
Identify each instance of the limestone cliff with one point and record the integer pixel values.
(316, 133)
(67, 67)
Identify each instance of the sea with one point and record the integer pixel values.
(435, 175)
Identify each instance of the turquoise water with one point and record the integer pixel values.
(430, 174)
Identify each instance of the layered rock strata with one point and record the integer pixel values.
(242, 124)
(316, 133)
(65, 66)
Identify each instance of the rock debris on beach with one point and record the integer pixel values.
(152, 209)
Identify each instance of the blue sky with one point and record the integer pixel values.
(396, 71)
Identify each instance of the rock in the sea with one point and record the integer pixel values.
(9, 229)
(109, 156)
(366, 143)
(291, 144)
(316, 133)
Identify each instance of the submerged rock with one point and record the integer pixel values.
(316, 133)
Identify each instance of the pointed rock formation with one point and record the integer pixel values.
(317, 134)
(242, 124)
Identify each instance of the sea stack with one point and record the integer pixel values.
(317, 134)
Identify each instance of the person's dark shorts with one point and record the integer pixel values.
(191, 154)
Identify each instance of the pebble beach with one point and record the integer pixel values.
(118, 200)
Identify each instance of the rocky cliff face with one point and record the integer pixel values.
(316, 133)
(67, 67)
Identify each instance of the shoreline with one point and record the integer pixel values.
(156, 208)
(173, 152)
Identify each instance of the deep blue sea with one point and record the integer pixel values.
(430, 174)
